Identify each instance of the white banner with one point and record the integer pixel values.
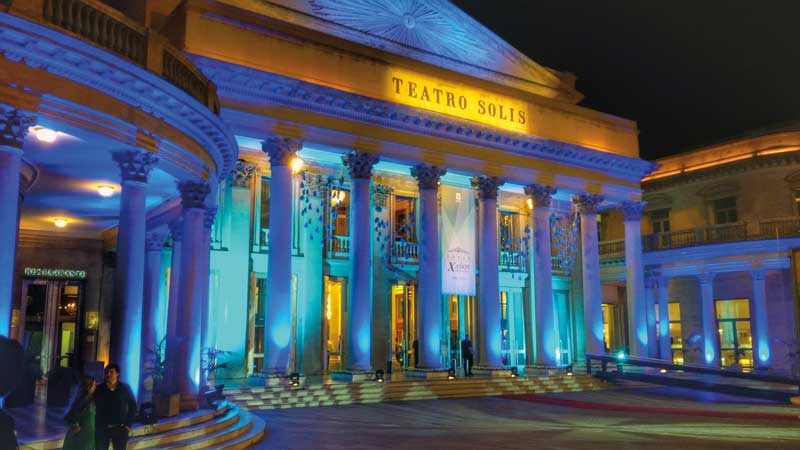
(458, 240)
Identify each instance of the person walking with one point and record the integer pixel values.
(466, 355)
(116, 410)
(80, 418)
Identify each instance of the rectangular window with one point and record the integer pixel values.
(735, 336)
(263, 230)
(340, 206)
(725, 210)
(675, 333)
(509, 232)
(660, 220)
(405, 219)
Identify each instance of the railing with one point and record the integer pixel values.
(95, 22)
(513, 260)
(612, 247)
(338, 247)
(703, 235)
(780, 227)
(405, 251)
(555, 265)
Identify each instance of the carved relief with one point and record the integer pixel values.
(381, 194)
(14, 124)
(428, 176)
(587, 203)
(487, 187)
(242, 173)
(281, 150)
(135, 165)
(193, 194)
(360, 163)
(633, 210)
(541, 194)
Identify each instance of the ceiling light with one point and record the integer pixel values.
(297, 164)
(60, 223)
(105, 191)
(45, 134)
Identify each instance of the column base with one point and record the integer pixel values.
(489, 371)
(426, 374)
(352, 376)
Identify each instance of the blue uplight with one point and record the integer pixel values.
(620, 355)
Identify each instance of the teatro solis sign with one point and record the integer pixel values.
(71, 274)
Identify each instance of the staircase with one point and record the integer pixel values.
(229, 428)
(372, 392)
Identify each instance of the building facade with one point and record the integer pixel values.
(720, 232)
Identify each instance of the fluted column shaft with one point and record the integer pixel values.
(206, 336)
(709, 318)
(547, 347)
(278, 320)
(761, 352)
(590, 271)
(359, 289)
(152, 284)
(490, 344)
(190, 293)
(429, 302)
(636, 301)
(173, 303)
(126, 329)
(15, 126)
(662, 297)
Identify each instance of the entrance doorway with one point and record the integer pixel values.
(334, 324)
(51, 317)
(512, 326)
(404, 326)
(460, 319)
(735, 336)
(614, 327)
(563, 323)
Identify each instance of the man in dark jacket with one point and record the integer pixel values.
(116, 410)
(8, 435)
(466, 355)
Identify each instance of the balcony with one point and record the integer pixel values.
(338, 247)
(405, 252)
(107, 28)
(513, 261)
(713, 234)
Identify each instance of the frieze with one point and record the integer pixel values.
(428, 176)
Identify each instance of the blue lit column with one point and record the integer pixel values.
(662, 297)
(590, 272)
(173, 302)
(650, 297)
(126, 328)
(278, 320)
(429, 302)
(761, 352)
(634, 268)
(190, 293)
(359, 288)
(206, 334)
(15, 126)
(154, 244)
(542, 273)
(709, 318)
(490, 339)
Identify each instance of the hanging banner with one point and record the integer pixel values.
(458, 240)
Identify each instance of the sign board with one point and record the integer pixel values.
(458, 240)
(71, 274)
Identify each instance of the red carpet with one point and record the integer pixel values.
(535, 398)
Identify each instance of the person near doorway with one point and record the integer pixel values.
(80, 418)
(466, 355)
(415, 345)
(116, 410)
(8, 434)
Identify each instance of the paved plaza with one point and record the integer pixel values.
(504, 423)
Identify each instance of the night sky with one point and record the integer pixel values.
(690, 73)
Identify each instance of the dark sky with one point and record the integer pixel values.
(690, 73)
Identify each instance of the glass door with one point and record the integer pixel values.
(512, 328)
(334, 324)
(404, 329)
(460, 314)
(735, 337)
(563, 324)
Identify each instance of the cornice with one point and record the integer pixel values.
(241, 83)
(80, 62)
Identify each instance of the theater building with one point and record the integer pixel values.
(720, 235)
(335, 187)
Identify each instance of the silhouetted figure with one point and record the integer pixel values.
(415, 345)
(116, 410)
(80, 418)
(466, 355)
(8, 437)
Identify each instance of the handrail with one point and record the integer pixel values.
(606, 358)
(95, 22)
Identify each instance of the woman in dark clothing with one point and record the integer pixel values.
(80, 418)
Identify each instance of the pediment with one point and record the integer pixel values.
(432, 31)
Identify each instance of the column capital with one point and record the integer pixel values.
(587, 203)
(487, 187)
(280, 149)
(176, 229)
(193, 194)
(14, 124)
(541, 194)
(241, 174)
(632, 211)
(706, 277)
(381, 194)
(428, 176)
(758, 274)
(135, 165)
(360, 163)
(154, 240)
(209, 216)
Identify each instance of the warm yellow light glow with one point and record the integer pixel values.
(718, 162)
(297, 165)
(105, 191)
(45, 134)
(776, 151)
(328, 306)
(662, 175)
(60, 222)
(530, 203)
(337, 196)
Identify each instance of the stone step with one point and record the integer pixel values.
(256, 433)
(221, 422)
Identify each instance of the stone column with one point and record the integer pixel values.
(636, 301)
(490, 339)
(429, 301)
(206, 334)
(154, 244)
(278, 320)
(761, 353)
(190, 293)
(662, 296)
(14, 126)
(590, 272)
(126, 329)
(710, 353)
(359, 287)
(542, 276)
(650, 300)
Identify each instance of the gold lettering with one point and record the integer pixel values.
(397, 83)
(481, 107)
(451, 99)
(412, 89)
(425, 95)
(462, 102)
(521, 115)
(437, 92)
(492, 109)
(502, 116)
